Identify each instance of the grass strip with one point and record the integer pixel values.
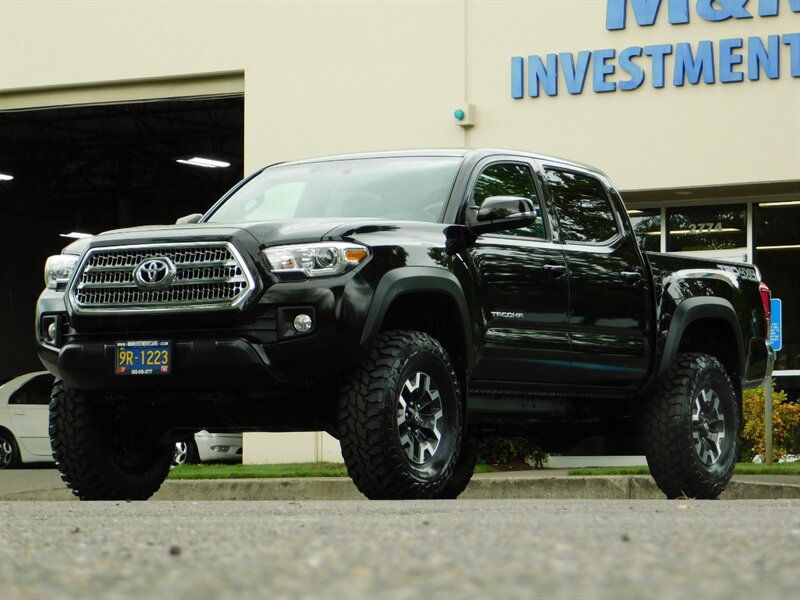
(792, 468)
(325, 469)
(314, 469)
(317, 469)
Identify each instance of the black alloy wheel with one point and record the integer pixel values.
(400, 418)
(692, 428)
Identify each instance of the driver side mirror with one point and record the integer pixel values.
(188, 219)
(502, 212)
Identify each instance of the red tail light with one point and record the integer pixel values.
(766, 298)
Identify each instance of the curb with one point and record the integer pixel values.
(637, 487)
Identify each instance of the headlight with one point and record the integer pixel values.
(58, 268)
(316, 260)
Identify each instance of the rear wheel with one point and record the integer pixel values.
(9, 451)
(186, 453)
(105, 450)
(400, 418)
(692, 428)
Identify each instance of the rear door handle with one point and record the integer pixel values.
(631, 276)
(556, 271)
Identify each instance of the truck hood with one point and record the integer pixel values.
(263, 233)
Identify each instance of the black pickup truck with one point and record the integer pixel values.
(408, 303)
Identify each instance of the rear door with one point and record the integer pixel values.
(608, 292)
(28, 409)
(523, 281)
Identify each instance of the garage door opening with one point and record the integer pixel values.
(86, 169)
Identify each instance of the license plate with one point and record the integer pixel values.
(143, 358)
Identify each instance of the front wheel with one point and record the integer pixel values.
(462, 473)
(400, 418)
(105, 450)
(692, 429)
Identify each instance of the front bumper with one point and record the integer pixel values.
(254, 350)
(199, 364)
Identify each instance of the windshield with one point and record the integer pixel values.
(401, 188)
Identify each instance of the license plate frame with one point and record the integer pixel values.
(143, 357)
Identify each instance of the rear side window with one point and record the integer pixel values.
(510, 179)
(584, 212)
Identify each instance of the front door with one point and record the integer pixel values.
(523, 282)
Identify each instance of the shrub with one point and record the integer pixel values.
(785, 424)
(511, 450)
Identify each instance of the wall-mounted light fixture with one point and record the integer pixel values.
(465, 115)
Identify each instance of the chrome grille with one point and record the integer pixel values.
(206, 276)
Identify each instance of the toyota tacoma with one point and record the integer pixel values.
(409, 304)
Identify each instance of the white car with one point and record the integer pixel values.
(209, 447)
(24, 420)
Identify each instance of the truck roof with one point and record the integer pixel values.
(475, 154)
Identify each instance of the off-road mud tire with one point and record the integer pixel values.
(368, 418)
(674, 462)
(83, 449)
(463, 472)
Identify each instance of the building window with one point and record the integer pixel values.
(707, 228)
(646, 223)
(777, 242)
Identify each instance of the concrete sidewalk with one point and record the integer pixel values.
(45, 484)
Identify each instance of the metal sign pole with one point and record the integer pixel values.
(768, 419)
(776, 341)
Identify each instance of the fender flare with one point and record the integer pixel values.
(409, 280)
(691, 310)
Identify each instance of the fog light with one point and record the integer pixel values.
(51, 332)
(302, 323)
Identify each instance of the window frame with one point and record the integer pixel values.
(607, 244)
(533, 171)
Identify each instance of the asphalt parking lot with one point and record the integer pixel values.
(436, 549)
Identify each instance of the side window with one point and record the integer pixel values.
(584, 212)
(35, 391)
(510, 179)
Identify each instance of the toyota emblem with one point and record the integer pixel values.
(154, 273)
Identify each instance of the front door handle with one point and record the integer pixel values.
(556, 271)
(631, 277)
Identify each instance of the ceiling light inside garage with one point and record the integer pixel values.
(199, 161)
(778, 204)
(4, 177)
(75, 235)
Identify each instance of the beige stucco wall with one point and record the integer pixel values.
(327, 77)
(278, 448)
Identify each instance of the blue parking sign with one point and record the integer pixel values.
(775, 331)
